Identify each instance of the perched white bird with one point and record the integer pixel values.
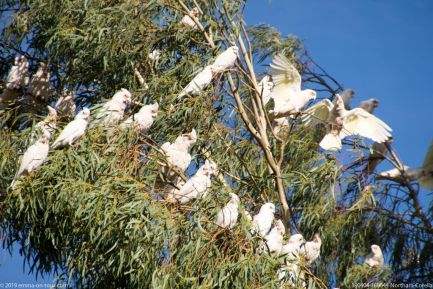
(73, 130)
(65, 105)
(344, 123)
(198, 83)
(228, 215)
(226, 60)
(265, 87)
(377, 155)
(39, 86)
(169, 196)
(188, 21)
(113, 110)
(155, 55)
(291, 274)
(375, 258)
(347, 95)
(293, 247)
(177, 153)
(274, 240)
(262, 222)
(369, 105)
(50, 122)
(143, 119)
(33, 158)
(424, 174)
(18, 77)
(288, 97)
(311, 249)
(198, 185)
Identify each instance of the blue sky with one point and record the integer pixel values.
(380, 48)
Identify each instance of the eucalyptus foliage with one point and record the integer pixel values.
(94, 212)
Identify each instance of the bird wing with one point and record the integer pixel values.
(312, 251)
(225, 216)
(318, 113)
(221, 216)
(284, 73)
(198, 83)
(203, 78)
(359, 121)
(34, 155)
(191, 189)
(72, 129)
(225, 60)
(166, 146)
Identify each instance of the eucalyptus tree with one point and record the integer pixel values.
(95, 212)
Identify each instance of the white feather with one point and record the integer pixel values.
(188, 21)
(262, 222)
(274, 240)
(359, 122)
(113, 110)
(311, 249)
(198, 185)
(226, 60)
(342, 123)
(265, 86)
(143, 119)
(33, 158)
(318, 113)
(177, 153)
(228, 215)
(293, 247)
(287, 94)
(73, 130)
(331, 141)
(199, 83)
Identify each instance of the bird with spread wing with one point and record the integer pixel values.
(342, 123)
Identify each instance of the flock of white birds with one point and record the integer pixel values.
(283, 86)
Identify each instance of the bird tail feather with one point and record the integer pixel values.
(331, 142)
